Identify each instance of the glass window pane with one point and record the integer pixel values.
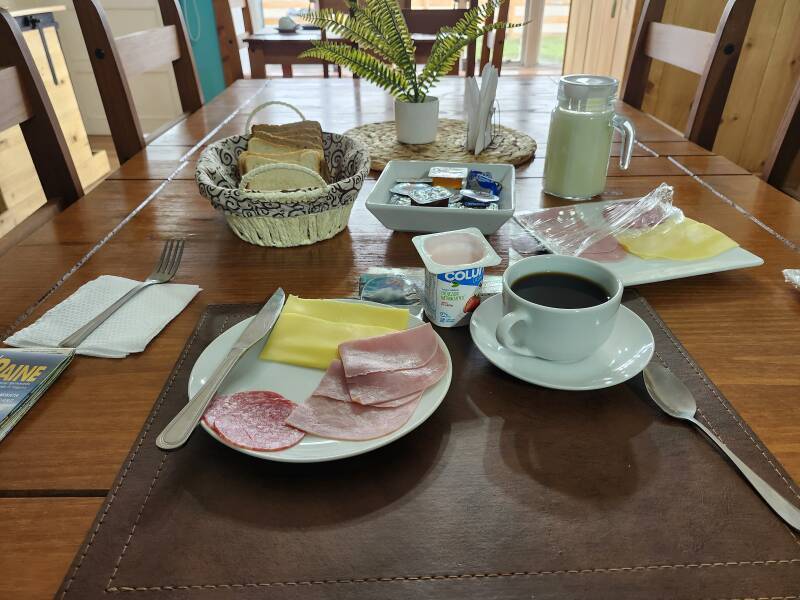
(554, 32)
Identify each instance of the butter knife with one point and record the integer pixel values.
(182, 425)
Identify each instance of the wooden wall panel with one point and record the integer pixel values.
(779, 78)
(767, 71)
(598, 36)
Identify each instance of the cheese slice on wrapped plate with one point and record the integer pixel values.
(683, 240)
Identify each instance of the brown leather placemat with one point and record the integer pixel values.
(507, 491)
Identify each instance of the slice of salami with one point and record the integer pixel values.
(253, 420)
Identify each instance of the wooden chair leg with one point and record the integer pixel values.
(325, 70)
(287, 70)
(258, 68)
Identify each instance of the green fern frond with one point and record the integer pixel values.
(355, 29)
(362, 64)
(385, 52)
(387, 18)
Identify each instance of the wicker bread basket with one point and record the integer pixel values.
(283, 219)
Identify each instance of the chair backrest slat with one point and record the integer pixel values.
(430, 21)
(682, 47)
(712, 56)
(14, 105)
(147, 50)
(115, 59)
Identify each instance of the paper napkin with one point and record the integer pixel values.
(478, 105)
(128, 330)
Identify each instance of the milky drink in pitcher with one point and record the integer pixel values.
(581, 130)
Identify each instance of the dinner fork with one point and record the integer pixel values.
(164, 270)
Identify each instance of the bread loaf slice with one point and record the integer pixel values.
(312, 127)
(310, 159)
(284, 178)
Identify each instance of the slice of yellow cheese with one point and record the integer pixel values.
(686, 240)
(308, 332)
(349, 312)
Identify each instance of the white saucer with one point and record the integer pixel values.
(623, 356)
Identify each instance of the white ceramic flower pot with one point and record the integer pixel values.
(416, 122)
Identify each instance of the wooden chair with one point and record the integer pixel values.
(713, 56)
(341, 6)
(782, 167)
(231, 42)
(429, 21)
(25, 102)
(492, 44)
(115, 59)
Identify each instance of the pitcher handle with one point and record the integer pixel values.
(625, 126)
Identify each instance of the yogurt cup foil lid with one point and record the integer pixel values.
(455, 250)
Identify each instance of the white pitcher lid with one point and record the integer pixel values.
(585, 87)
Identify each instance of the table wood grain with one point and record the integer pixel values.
(741, 326)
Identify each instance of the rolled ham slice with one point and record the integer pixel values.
(383, 386)
(409, 349)
(347, 420)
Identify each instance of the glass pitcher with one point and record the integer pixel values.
(579, 142)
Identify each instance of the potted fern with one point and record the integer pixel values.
(380, 49)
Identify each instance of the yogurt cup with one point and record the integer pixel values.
(454, 264)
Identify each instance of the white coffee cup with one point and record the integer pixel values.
(557, 334)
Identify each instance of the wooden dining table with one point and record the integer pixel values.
(56, 467)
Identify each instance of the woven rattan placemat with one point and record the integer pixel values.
(509, 146)
(507, 491)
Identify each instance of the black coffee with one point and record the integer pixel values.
(559, 290)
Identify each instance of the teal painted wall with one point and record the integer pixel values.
(202, 26)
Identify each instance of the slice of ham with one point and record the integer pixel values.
(401, 401)
(607, 249)
(384, 386)
(333, 384)
(253, 420)
(409, 349)
(347, 420)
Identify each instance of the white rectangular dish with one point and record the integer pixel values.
(633, 270)
(434, 219)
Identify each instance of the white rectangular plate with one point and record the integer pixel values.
(633, 270)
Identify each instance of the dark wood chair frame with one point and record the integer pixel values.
(25, 102)
(783, 161)
(115, 59)
(496, 50)
(429, 21)
(230, 42)
(713, 56)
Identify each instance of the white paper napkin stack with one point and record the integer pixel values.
(128, 330)
(478, 103)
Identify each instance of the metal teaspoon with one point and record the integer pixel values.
(675, 399)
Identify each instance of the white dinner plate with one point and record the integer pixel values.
(624, 355)
(296, 384)
(633, 270)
